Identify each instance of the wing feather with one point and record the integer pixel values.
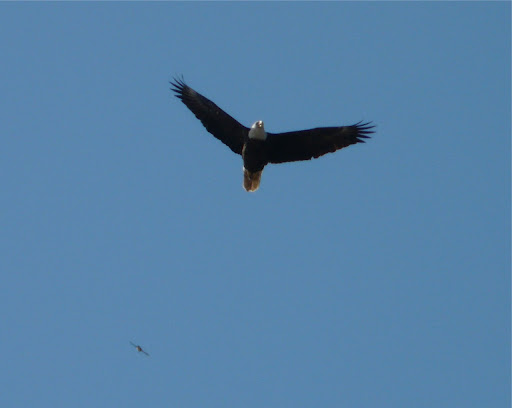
(225, 128)
(313, 143)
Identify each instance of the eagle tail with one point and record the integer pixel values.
(252, 180)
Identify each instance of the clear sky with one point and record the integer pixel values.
(378, 276)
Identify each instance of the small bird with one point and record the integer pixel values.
(139, 348)
(259, 147)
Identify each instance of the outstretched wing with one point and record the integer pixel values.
(228, 130)
(313, 143)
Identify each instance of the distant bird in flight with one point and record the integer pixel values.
(259, 147)
(139, 348)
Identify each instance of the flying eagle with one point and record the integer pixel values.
(139, 348)
(259, 147)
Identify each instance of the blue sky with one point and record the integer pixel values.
(376, 276)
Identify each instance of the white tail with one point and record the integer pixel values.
(252, 180)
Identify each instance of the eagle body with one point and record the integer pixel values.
(254, 155)
(259, 147)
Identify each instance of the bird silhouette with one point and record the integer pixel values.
(139, 348)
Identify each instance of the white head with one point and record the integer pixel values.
(257, 131)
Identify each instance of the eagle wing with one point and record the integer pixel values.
(228, 130)
(313, 143)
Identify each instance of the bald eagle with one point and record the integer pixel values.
(259, 147)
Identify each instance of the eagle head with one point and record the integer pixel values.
(257, 131)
